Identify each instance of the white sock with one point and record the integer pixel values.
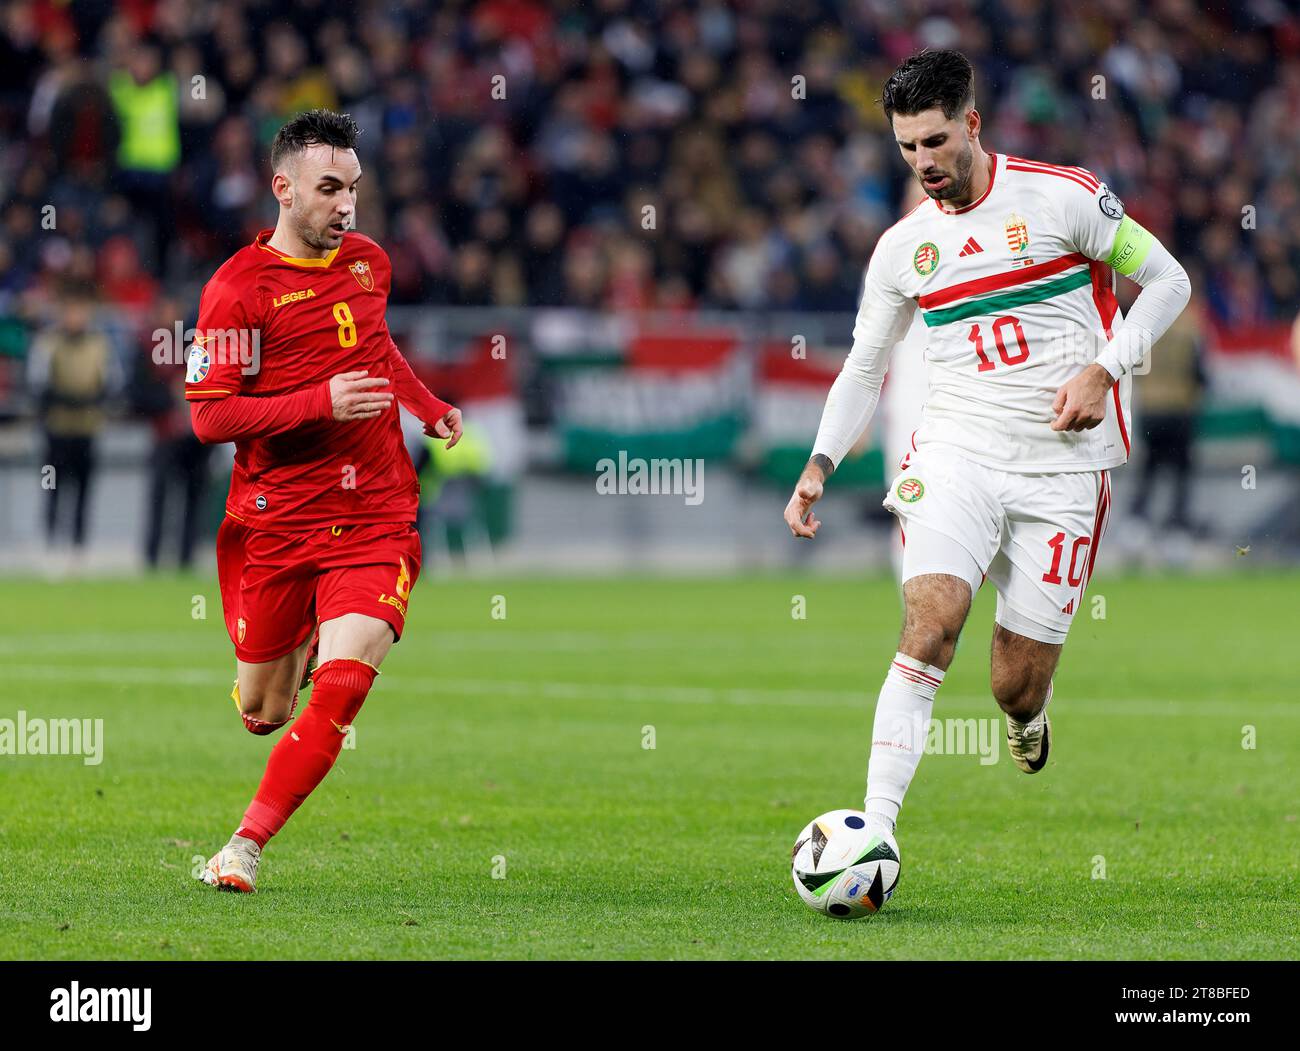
(898, 736)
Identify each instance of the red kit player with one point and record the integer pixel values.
(293, 362)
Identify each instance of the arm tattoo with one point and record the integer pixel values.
(824, 462)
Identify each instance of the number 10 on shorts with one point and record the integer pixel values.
(1078, 559)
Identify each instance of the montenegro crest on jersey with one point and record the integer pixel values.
(361, 271)
(1017, 236)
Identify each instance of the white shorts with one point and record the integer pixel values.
(1034, 537)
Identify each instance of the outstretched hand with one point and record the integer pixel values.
(448, 427)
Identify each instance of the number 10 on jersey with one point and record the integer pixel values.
(1000, 326)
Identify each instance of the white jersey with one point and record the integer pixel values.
(1016, 299)
(902, 398)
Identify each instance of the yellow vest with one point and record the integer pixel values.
(148, 113)
(470, 457)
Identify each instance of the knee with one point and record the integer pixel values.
(265, 707)
(930, 639)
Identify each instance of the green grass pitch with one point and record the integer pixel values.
(515, 747)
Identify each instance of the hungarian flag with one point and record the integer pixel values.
(680, 392)
(791, 394)
(1254, 384)
(479, 378)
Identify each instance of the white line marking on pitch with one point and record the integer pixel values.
(643, 692)
(446, 641)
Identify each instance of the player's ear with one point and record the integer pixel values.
(282, 188)
(973, 123)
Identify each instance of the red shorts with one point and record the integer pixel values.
(276, 587)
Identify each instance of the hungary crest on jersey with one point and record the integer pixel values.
(1017, 236)
(926, 259)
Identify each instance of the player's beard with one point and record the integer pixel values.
(314, 237)
(958, 178)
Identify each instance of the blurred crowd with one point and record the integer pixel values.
(614, 154)
(625, 153)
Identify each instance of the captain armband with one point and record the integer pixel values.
(1132, 243)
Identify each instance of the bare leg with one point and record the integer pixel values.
(267, 690)
(354, 636)
(1021, 670)
(936, 606)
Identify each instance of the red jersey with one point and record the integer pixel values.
(269, 326)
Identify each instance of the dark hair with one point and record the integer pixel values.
(315, 127)
(933, 78)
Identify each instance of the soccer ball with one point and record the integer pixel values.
(843, 868)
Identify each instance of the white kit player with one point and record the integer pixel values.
(1010, 265)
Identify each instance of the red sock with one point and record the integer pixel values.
(257, 835)
(304, 755)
